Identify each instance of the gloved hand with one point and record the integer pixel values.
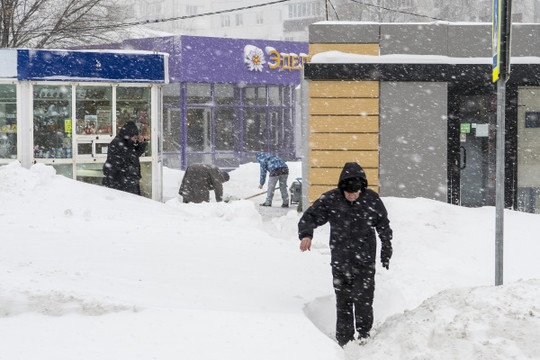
(386, 254)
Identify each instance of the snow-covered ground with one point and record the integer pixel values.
(91, 273)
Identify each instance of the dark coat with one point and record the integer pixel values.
(122, 170)
(352, 236)
(199, 179)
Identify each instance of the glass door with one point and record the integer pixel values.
(528, 150)
(477, 117)
(199, 135)
(8, 121)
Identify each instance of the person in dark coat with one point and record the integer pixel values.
(199, 179)
(122, 170)
(353, 211)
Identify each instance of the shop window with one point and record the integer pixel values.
(52, 121)
(277, 138)
(227, 160)
(91, 173)
(254, 95)
(171, 94)
(281, 130)
(94, 111)
(172, 130)
(172, 125)
(199, 130)
(288, 92)
(63, 169)
(225, 134)
(224, 94)
(133, 104)
(288, 130)
(198, 93)
(8, 122)
(255, 133)
(274, 95)
(199, 159)
(146, 179)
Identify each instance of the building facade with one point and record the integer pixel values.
(62, 108)
(289, 20)
(227, 98)
(415, 105)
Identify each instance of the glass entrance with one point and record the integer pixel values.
(528, 150)
(199, 135)
(477, 132)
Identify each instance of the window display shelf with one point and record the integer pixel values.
(133, 100)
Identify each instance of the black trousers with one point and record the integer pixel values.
(354, 288)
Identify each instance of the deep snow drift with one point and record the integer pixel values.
(92, 273)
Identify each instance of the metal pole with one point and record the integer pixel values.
(499, 197)
(326, 8)
(506, 28)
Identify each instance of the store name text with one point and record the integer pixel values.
(254, 58)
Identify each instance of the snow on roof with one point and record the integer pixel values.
(113, 51)
(338, 57)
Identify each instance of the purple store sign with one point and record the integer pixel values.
(223, 60)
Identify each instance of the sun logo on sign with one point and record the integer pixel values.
(254, 58)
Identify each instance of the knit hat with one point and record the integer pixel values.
(351, 185)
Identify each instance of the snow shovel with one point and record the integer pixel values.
(252, 196)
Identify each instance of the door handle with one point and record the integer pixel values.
(464, 162)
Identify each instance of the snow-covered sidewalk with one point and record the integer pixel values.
(91, 273)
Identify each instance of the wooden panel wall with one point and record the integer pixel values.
(343, 127)
(361, 49)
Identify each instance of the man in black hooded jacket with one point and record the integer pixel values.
(122, 170)
(353, 211)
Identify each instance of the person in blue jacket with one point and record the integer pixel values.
(279, 171)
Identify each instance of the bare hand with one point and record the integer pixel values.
(260, 186)
(305, 244)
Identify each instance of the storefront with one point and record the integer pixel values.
(425, 111)
(62, 108)
(227, 98)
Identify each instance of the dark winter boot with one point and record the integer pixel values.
(362, 338)
(266, 204)
(343, 342)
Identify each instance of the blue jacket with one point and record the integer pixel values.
(269, 163)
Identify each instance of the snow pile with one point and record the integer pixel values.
(92, 273)
(466, 323)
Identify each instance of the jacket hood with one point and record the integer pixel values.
(128, 130)
(261, 157)
(352, 173)
(224, 176)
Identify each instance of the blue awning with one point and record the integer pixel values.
(92, 66)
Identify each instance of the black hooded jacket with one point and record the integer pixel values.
(199, 179)
(352, 235)
(122, 170)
